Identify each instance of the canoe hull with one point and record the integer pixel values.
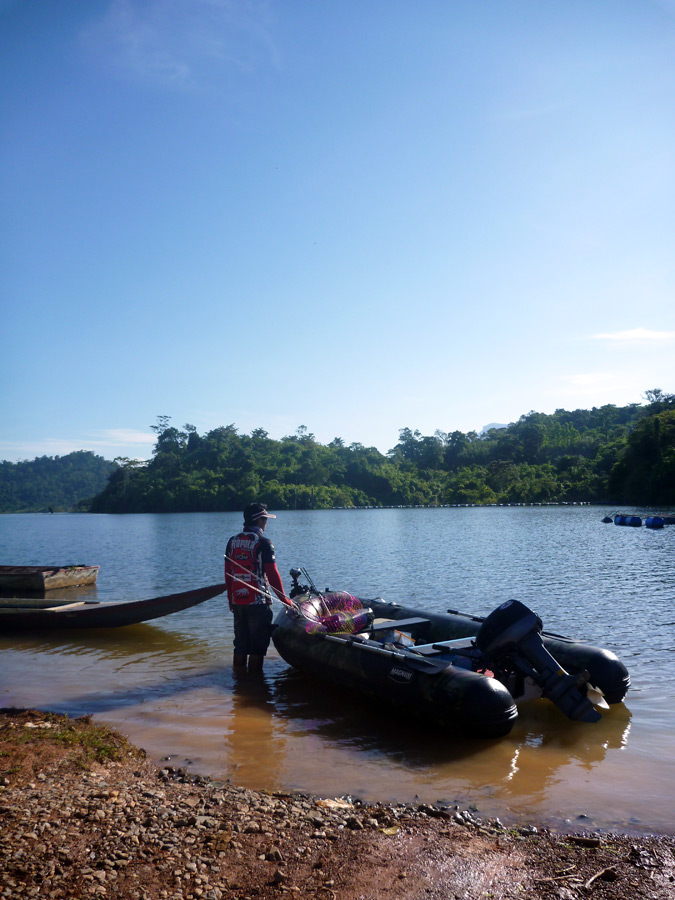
(101, 615)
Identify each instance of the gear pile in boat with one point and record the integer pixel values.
(461, 672)
(336, 612)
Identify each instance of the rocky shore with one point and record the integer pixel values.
(83, 814)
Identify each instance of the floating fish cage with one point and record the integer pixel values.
(636, 521)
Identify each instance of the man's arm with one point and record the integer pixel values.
(271, 572)
(274, 578)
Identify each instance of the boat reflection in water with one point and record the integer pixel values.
(554, 766)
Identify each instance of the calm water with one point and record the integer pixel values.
(169, 686)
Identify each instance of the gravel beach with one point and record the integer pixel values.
(83, 814)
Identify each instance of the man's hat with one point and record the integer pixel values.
(256, 511)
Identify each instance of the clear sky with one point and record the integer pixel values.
(357, 215)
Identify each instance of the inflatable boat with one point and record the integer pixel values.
(462, 673)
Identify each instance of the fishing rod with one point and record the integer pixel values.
(315, 616)
(309, 579)
(266, 594)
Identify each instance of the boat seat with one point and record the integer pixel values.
(415, 623)
(67, 606)
(439, 646)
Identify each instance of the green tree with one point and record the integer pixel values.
(645, 472)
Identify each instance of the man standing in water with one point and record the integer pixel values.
(250, 572)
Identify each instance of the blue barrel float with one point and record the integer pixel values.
(627, 520)
(654, 522)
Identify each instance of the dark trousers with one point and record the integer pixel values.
(252, 629)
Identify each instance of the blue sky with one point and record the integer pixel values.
(356, 216)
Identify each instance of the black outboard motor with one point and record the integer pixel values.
(510, 640)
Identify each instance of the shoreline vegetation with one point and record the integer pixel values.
(620, 456)
(83, 813)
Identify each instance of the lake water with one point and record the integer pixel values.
(168, 685)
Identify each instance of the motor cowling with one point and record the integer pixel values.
(510, 640)
(507, 625)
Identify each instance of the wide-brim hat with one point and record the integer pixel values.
(257, 511)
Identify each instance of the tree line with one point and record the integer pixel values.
(622, 455)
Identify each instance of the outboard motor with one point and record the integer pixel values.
(510, 639)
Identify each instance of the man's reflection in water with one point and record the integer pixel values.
(255, 742)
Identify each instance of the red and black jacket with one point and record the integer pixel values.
(251, 569)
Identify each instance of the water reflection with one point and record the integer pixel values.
(146, 694)
(546, 746)
(121, 645)
(255, 739)
(542, 741)
(380, 735)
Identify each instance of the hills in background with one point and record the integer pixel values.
(53, 483)
(611, 454)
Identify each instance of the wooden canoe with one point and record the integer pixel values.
(23, 614)
(45, 578)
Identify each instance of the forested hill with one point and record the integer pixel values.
(53, 482)
(613, 454)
